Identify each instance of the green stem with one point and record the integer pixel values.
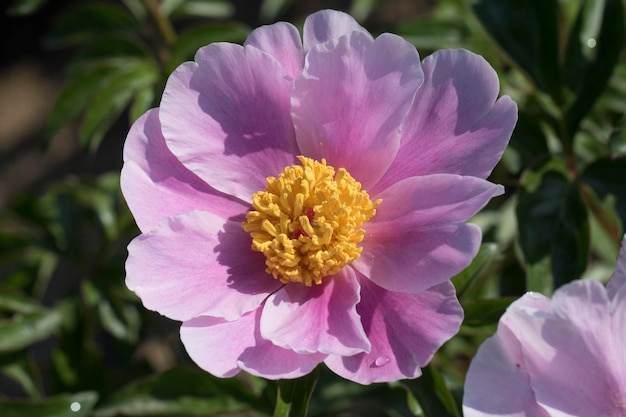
(294, 395)
(162, 23)
(167, 35)
(596, 208)
(568, 147)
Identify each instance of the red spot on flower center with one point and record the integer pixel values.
(298, 233)
(310, 213)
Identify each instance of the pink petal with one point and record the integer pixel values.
(223, 347)
(267, 360)
(351, 99)
(411, 260)
(320, 318)
(282, 41)
(198, 264)
(559, 358)
(156, 185)
(410, 244)
(432, 200)
(499, 367)
(326, 25)
(226, 118)
(618, 330)
(618, 279)
(405, 331)
(571, 355)
(215, 345)
(454, 126)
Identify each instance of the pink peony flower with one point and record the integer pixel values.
(302, 204)
(559, 357)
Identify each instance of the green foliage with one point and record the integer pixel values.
(431, 382)
(553, 223)
(183, 391)
(124, 54)
(72, 334)
(485, 312)
(79, 405)
(589, 75)
(24, 7)
(25, 329)
(289, 400)
(527, 32)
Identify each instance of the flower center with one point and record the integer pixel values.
(307, 221)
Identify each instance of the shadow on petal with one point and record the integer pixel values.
(251, 105)
(245, 267)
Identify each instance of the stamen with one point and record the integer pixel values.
(307, 222)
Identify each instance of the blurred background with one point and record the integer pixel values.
(74, 75)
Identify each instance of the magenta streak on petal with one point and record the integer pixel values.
(152, 174)
(351, 99)
(226, 118)
(405, 331)
(198, 264)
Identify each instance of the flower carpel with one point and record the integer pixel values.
(307, 222)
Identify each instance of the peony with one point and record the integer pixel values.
(305, 202)
(559, 357)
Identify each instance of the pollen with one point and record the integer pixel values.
(307, 222)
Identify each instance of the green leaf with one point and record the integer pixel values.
(112, 99)
(464, 279)
(539, 277)
(590, 77)
(118, 317)
(77, 364)
(528, 140)
(271, 9)
(294, 395)
(75, 405)
(168, 7)
(75, 96)
(576, 53)
(362, 9)
(335, 396)
(484, 312)
(553, 222)
(24, 330)
(208, 8)
(25, 7)
(17, 303)
(143, 101)
(429, 34)
(101, 197)
(191, 40)
(432, 394)
(608, 177)
(617, 140)
(88, 21)
(122, 321)
(527, 31)
(117, 45)
(605, 224)
(18, 368)
(181, 391)
(137, 8)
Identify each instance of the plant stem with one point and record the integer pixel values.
(162, 23)
(596, 208)
(294, 395)
(166, 34)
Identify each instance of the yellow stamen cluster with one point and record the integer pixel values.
(307, 221)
